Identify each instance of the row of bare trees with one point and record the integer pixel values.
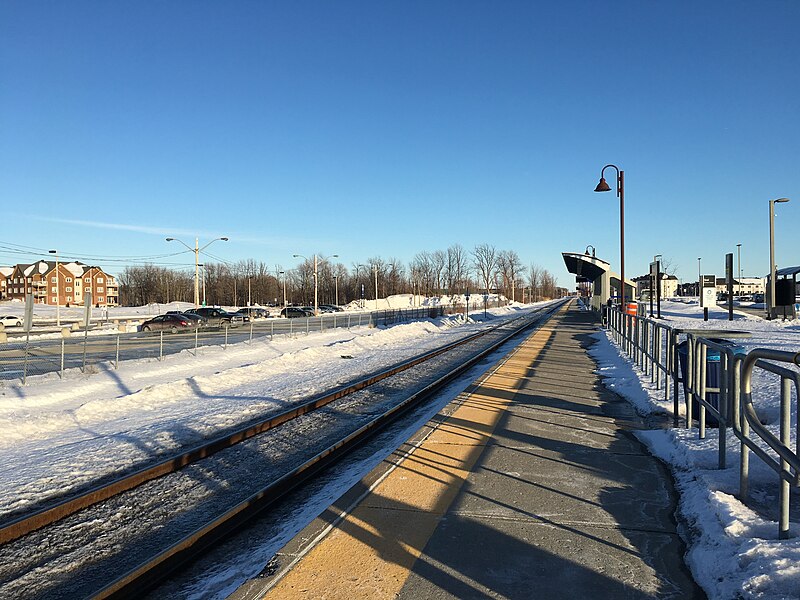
(440, 272)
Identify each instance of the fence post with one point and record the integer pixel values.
(196, 339)
(25, 363)
(116, 356)
(785, 431)
(161, 345)
(61, 372)
(226, 338)
(251, 331)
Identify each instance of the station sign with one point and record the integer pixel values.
(709, 295)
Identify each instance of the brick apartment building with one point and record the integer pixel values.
(67, 285)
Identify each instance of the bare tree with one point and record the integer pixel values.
(485, 260)
(438, 262)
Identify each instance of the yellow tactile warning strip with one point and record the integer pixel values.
(372, 549)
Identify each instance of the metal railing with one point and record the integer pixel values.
(21, 358)
(723, 390)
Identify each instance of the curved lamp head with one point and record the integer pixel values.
(602, 186)
(170, 239)
(224, 239)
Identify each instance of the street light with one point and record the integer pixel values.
(203, 265)
(197, 250)
(771, 305)
(336, 285)
(699, 277)
(316, 286)
(604, 187)
(284, 288)
(58, 292)
(739, 271)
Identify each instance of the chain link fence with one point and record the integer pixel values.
(22, 358)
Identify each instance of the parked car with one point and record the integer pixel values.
(201, 322)
(292, 312)
(330, 308)
(11, 321)
(217, 317)
(253, 312)
(171, 322)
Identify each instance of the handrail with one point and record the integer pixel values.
(653, 347)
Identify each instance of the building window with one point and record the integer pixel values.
(68, 289)
(69, 298)
(77, 283)
(101, 299)
(54, 290)
(99, 280)
(88, 280)
(69, 279)
(54, 299)
(100, 289)
(53, 279)
(30, 290)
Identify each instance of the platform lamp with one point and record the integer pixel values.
(771, 306)
(604, 187)
(739, 273)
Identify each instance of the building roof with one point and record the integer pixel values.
(787, 271)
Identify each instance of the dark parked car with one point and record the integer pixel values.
(253, 312)
(329, 308)
(171, 322)
(217, 317)
(292, 312)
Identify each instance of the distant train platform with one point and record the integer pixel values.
(528, 485)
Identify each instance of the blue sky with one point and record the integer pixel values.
(386, 128)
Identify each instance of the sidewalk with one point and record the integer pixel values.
(530, 485)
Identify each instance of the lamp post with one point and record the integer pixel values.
(375, 268)
(316, 286)
(197, 250)
(699, 277)
(284, 288)
(739, 269)
(336, 286)
(604, 187)
(58, 291)
(772, 266)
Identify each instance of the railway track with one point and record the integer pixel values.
(139, 527)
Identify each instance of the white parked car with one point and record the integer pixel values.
(11, 321)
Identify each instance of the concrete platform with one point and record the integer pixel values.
(530, 485)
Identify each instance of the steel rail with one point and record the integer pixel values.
(27, 523)
(145, 576)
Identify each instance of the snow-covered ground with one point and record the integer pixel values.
(86, 426)
(733, 552)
